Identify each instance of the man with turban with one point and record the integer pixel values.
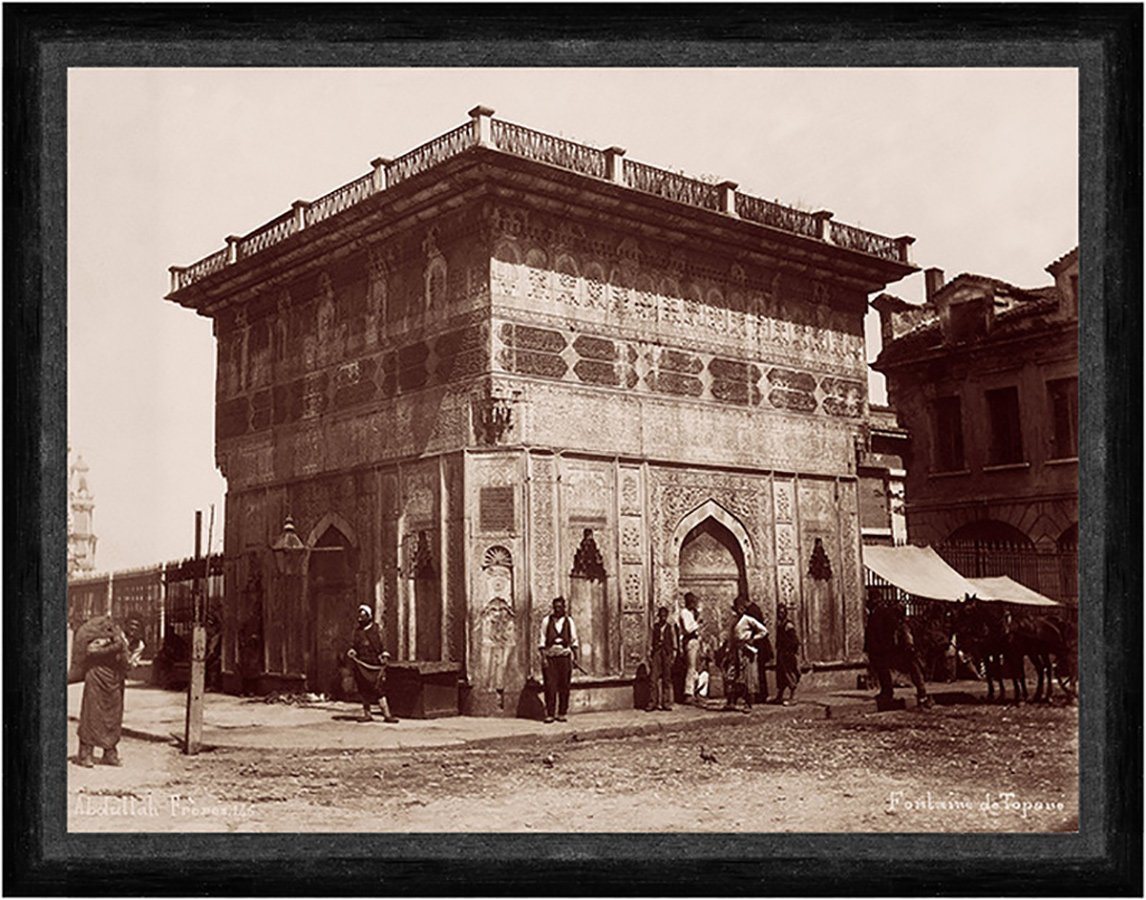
(369, 661)
(101, 658)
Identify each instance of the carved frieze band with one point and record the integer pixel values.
(599, 361)
(640, 302)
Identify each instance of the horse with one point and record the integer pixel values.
(1044, 641)
(987, 633)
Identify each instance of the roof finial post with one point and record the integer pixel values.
(482, 117)
(728, 197)
(823, 219)
(380, 166)
(904, 242)
(615, 165)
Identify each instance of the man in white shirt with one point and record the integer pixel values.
(688, 620)
(558, 646)
(746, 630)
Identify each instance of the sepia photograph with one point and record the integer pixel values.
(572, 450)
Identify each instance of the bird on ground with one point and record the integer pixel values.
(707, 755)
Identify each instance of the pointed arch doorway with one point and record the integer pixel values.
(332, 597)
(713, 566)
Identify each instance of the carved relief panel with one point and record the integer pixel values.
(496, 667)
(597, 275)
(420, 585)
(851, 568)
(543, 540)
(787, 560)
(820, 567)
(588, 511)
(634, 565)
(495, 494)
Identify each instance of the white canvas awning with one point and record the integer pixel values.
(919, 571)
(1005, 589)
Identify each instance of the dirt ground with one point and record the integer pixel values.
(955, 768)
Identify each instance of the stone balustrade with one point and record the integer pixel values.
(608, 165)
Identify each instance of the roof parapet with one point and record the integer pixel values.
(608, 165)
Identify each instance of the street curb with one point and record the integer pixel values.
(568, 733)
(822, 710)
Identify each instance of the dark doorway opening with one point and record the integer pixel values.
(333, 606)
(712, 567)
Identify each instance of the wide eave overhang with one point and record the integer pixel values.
(480, 173)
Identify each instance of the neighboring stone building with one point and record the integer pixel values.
(81, 505)
(881, 474)
(985, 377)
(506, 366)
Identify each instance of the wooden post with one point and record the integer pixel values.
(193, 730)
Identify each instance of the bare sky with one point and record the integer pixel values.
(981, 165)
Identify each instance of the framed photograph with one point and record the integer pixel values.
(573, 449)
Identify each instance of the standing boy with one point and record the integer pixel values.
(662, 656)
(689, 621)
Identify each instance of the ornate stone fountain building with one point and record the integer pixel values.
(506, 366)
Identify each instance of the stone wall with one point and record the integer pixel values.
(506, 405)
(615, 344)
(405, 527)
(371, 356)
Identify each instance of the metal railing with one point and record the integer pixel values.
(526, 143)
(430, 154)
(851, 238)
(542, 147)
(339, 199)
(785, 218)
(672, 186)
(1053, 574)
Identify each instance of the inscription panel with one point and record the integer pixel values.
(496, 508)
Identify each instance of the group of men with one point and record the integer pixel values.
(747, 650)
(105, 653)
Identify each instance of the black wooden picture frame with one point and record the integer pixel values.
(1103, 41)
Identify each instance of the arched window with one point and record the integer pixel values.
(990, 547)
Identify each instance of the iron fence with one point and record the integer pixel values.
(160, 597)
(1052, 573)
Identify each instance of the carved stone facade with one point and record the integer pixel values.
(503, 386)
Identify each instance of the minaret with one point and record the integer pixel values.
(81, 538)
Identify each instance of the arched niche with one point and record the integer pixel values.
(711, 554)
(320, 633)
